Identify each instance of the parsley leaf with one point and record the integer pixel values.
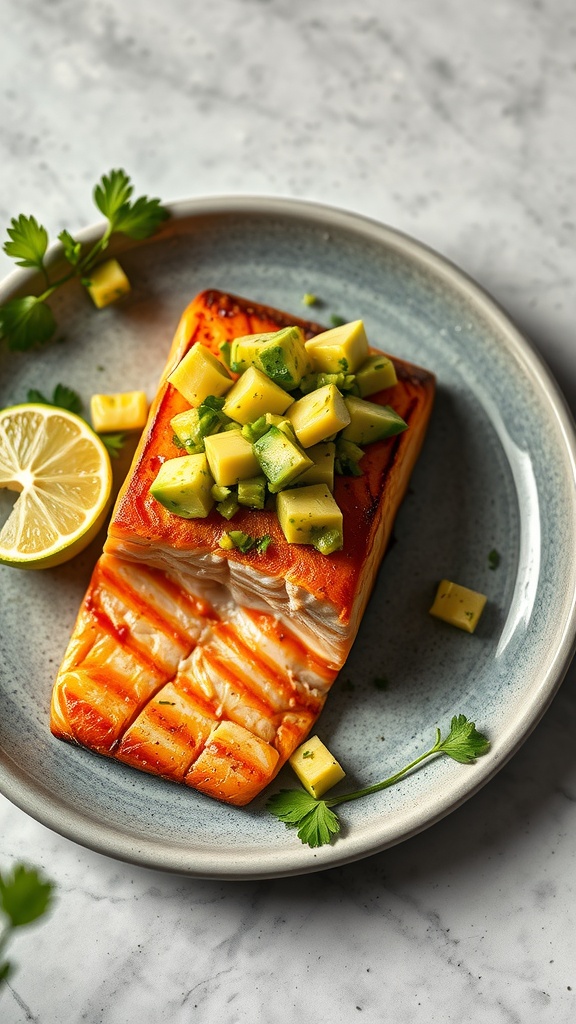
(24, 897)
(113, 443)
(112, 193)
(26, 322)
(317, 824)
(72, 248)
(28, 242)
(63, 397)
(137, 219)
(463, 743)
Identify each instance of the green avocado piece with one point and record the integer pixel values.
(184, 486)
(370, 422)
(281, 355)
(252, 492)
(281, 459)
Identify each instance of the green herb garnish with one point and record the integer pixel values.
(314, 819)
(113, 443)
(244, 542)
(63, 397)
(29, 321)
(493, 559)
(24, 897)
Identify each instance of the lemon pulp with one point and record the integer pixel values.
(62, 473)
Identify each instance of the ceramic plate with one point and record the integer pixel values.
(496, 474)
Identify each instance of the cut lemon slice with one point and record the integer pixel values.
(63, 475)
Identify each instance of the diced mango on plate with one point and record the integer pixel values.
(108, 282)
(317, 769)
(458, 605)
(126, 410)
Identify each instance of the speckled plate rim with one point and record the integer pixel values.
(291, 859)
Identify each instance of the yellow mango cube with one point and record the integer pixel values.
(184, 486)
(230, 457)
(200, 374)
(307, 513)
(318, 415)
(322, 472)
(125, 410)
(108, 282)
(375, 374)
(253, 395)
(341, 350)
(317, 769)
(458, 605)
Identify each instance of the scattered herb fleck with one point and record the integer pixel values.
(337, 321)
(244, 542)
(381, 683)
(308, 753)
(493, 559)
(309, 299)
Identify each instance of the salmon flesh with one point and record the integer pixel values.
(208, 666)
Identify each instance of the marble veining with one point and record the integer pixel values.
(451, 122)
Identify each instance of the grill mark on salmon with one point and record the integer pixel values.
(208, 667)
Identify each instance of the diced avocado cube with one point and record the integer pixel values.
(193, 425)
(458, 605)
(303, 511)
(243, 351)
(125, 410)
(252, 431)
(326, 539)
(347, 459)
(370, 421)
(253, 395)
(199, 374)
(322, 472)
(317, 769)
(230, 457)
(229, 506)
(318, 415)
(186, 427)
(220, 493)
(341, 350)
(183, 485)
(375, 374)
(281, 355)
(280, 459)
(252, 492)
(108, 282)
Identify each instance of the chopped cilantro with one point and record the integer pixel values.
(493, 559)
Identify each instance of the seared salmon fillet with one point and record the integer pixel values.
(210, 666)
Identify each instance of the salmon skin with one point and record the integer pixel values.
(208, 666)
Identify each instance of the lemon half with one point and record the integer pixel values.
(63, 475)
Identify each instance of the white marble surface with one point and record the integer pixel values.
(451, 121)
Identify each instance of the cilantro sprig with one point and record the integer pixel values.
(28, 320)
(25, 896)
(316, 822)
